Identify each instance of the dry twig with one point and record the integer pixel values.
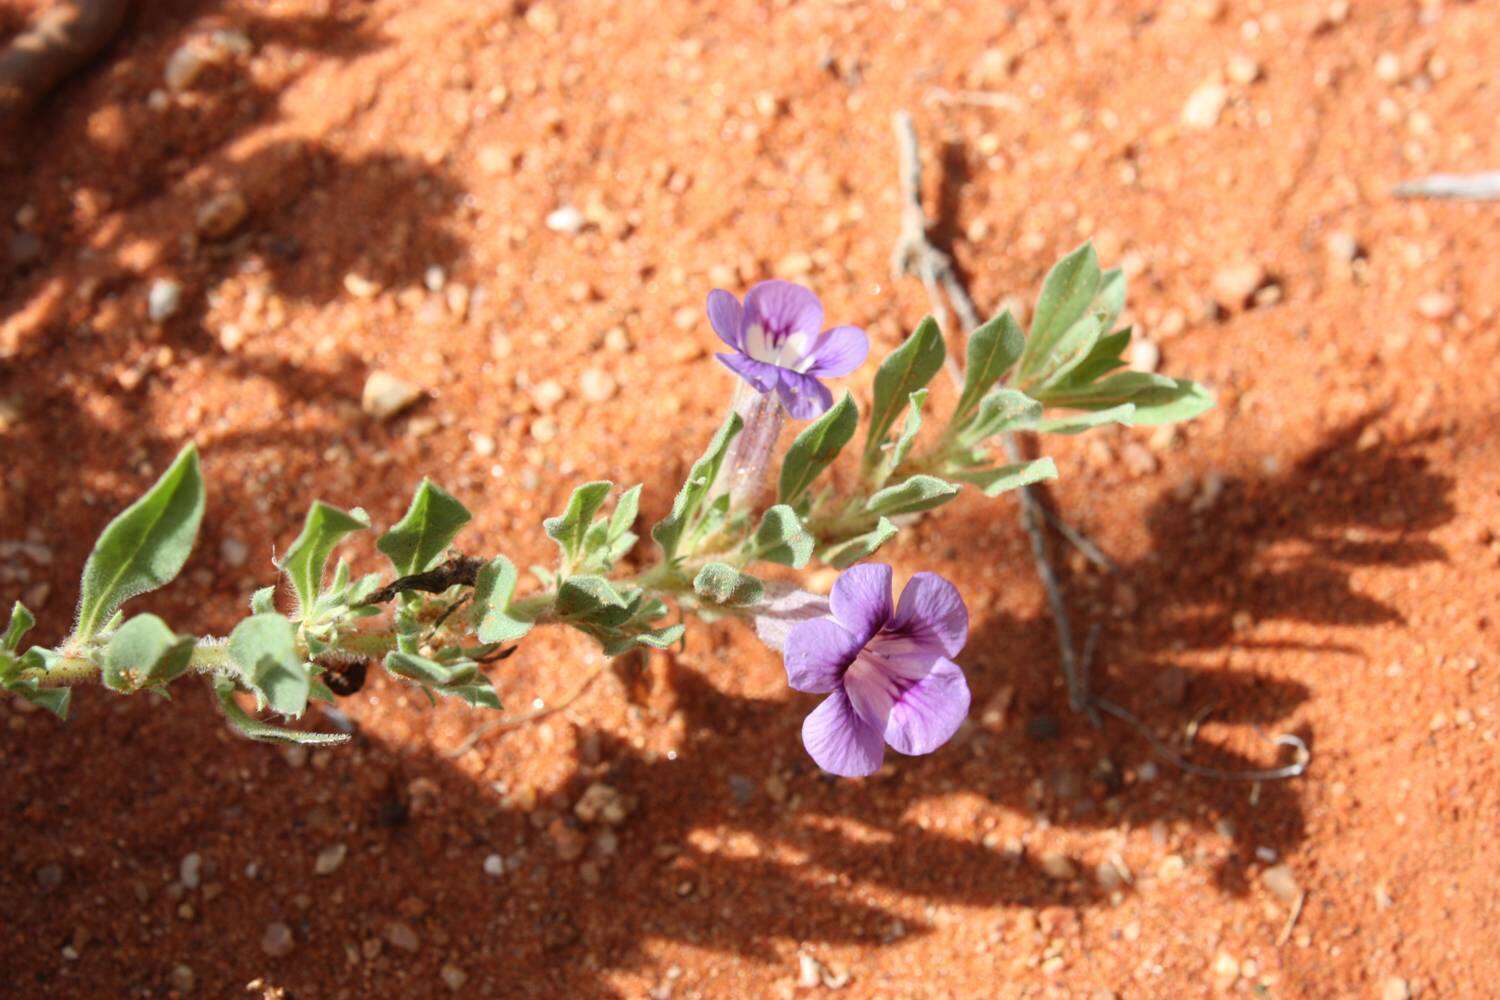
(63, 39)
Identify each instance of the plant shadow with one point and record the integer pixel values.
(736, 843)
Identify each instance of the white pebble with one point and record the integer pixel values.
(190, 871)
(567, 219)
(163, 300)
(494, 866)
(329, 859)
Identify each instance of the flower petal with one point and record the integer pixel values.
(861, 599)
(759, 374)
(803, 396)
(838, 352)
(817, 652)
(783, 608)
(930, 620)
(726, 317)
(839, 741)
(930, 711)
(782, 307)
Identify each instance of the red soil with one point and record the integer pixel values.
(1319, 555)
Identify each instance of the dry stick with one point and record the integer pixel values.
(1464, 187)
(64, 39)
(915, 253)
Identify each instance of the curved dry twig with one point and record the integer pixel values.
(65, 38)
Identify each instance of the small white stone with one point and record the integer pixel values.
(597, 385)
(434, 278)
(567, 219)
(1205, 105)
(234, 552)
(482, 444)
(546, 395)
(190, 871)
(399, 935)
(163, 300)
(1436, 306)
(1242, 70)
(277, 940)
(453, 977)
(329, 859)
(1395, 988)
(385, 395)
(494, 866)
(1145, 356)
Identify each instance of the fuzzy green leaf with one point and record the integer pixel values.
(1067, 293)
(720, 583)
(264, 648)
(492, 592)
(1001, 410)
(247, 725)
(993, 350)
(994, 482)
(593, 601)
(782, 538)
(144, 547)
(1077, 423)
(847, 553)
(668, 532)
(908, 368)
(416, 542)
(816, 448)
(571, 527)
(916, 494)
(306, 560)
(145, 651)
(21, 622)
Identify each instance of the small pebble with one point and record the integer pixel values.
(1205, 105)
(1058, 866)
(494, 866)
(163, 300)
(546, 395)
(601, 803)
(234, 552)
(1436, 306)
(385, 395)
(399, 935)
(1242, 70)
(597, 385)
(1395, 988)
(1234, 285)
(329, 859)
(544, 429)
(453, 977)
(277, 940)
(222, 214)
(1281, 882)
(190, 871)
(182, 979)
(567, 219)
(1145, 356)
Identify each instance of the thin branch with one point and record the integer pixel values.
(915, 254)
(458, 571)
(64, 38)
(1468, 187)
(525, 718)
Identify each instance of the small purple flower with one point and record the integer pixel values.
(886, 671)
(778, 347)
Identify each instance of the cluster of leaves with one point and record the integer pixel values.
(445, 625)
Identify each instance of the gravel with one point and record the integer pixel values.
(163, 299)
(330, 859)
(386, 395)
(277, 940)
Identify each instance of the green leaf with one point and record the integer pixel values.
(1001, 410)
(21, 622)
(847, 553)
(916, 494)
(248, 725)
(993, 350)
(816, 448)
(145, 651)
(306, 560)
(1077, 423)
(668, 532)
(994, 482)
(627, 508)
(55, 700)
(418, 668)
(1106, 356)
(591, 600)
(908, 368)
(1072, 349)
(416, 542)
(720, 583)
(782, 538)
(661, 638)
(263, 601)
(1067, 293)
(145, 547)
(1109, 301)
(264, 647)
(570, 528)
(1158, 399)
(493, 588)
(893, 459)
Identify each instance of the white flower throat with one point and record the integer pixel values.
(785, 351)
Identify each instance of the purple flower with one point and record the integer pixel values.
(778, 347)
(886, 672)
